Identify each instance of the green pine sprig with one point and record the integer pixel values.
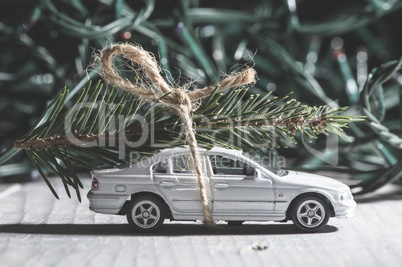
(250, 122)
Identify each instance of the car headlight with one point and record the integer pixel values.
(346, 196)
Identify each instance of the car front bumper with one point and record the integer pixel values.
(345, 209)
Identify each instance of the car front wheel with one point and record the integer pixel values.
(146, 214)
(310, 214)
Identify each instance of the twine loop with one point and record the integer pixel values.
(152, 87)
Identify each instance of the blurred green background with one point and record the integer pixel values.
(322, 51)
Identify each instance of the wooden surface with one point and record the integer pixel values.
(38, 230)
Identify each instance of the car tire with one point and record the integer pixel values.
(310, 213)
(146, 214)
(235, 223)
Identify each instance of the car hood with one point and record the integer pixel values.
(313, 180)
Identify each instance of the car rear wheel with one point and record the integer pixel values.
(310, 214)
(146, 214)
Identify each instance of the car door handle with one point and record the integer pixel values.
(166, 184)
(221, 186)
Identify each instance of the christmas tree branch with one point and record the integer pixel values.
(103, 119)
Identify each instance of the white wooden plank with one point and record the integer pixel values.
(38, 230)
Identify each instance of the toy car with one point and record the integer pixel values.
(163, 187)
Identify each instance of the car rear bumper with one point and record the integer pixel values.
(108, 204)
(345, 209)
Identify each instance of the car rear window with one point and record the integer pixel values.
(181, 164)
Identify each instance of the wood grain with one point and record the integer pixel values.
(38, 230)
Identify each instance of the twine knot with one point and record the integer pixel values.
(152, 87)
(180, 98)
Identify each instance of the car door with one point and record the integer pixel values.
(237, 190)
(178, 184)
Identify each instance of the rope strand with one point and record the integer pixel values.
(181, 100)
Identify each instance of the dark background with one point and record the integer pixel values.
(46, 45)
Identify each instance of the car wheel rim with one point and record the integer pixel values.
(146, 214)
(311, 213)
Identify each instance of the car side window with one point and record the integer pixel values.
(181, 164)
(161, 166)
(222, 165)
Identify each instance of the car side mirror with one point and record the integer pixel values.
(257, 173)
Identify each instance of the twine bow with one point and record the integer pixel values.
(181, 100)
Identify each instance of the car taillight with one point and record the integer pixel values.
(95, 184)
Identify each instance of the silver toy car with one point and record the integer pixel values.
(163, 187)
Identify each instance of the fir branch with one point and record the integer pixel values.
(252, 122)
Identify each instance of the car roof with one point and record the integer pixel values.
(185, 149)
